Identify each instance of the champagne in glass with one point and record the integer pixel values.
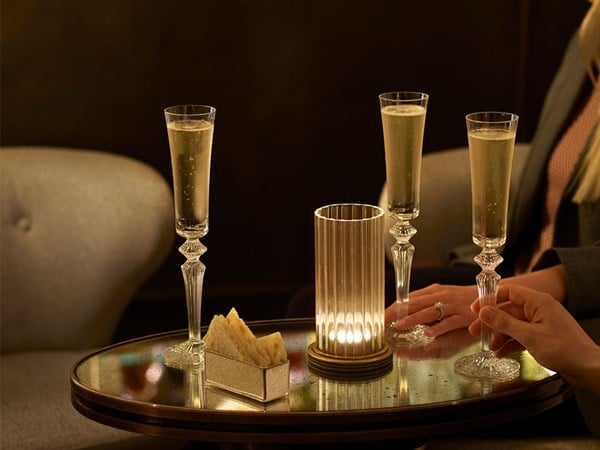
(403, 121)
(190, 130)
(491, 161)
(491, 146)
(191, 142)
(403, 127)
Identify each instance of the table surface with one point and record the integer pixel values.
(128, 386)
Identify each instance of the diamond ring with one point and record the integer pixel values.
(440, 308)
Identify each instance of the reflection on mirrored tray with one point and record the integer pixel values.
(419, 376)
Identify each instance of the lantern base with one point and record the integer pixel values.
(349, 367)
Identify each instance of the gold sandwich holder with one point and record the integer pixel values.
(263, 384)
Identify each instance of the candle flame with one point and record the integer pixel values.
(350, 336)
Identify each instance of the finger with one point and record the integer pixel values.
(513, 310)
(423, 302)
(395, 310)
(475, 327)
(508, 307)
(476, 305)
(518, 295)
(424, 316)
(399, 310)
(498, 339)
(448, 324)
(391, 313)
(502, 322)
(428, 290)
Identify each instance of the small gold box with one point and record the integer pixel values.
(259, 383)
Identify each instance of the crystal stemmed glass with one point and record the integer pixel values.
(190, 129)
(491, 146)
(403, 120)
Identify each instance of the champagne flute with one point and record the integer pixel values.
(403, 120)
(491, 146)
(190, 129)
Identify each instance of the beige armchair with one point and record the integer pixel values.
(444, 222)
(80, 232)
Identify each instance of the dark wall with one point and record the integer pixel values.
(295, 85)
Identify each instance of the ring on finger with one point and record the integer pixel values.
(440, 309)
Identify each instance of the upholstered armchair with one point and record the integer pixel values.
(81, 230)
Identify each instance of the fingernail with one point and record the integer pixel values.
(401, 324)
(402, 320)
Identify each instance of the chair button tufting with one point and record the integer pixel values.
(24, 224)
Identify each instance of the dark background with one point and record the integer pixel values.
(295, 84)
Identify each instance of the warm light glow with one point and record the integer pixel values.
(350, 336)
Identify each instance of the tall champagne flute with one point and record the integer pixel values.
(491, 146)
(190, 129)
(403, 120)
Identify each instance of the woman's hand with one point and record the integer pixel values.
(455, 300)
(544, 327)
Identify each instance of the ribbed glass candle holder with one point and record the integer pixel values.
(349, 282)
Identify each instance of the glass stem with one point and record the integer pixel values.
(193, 276)
(402, 252)
(487, 287)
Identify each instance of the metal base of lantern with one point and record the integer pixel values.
(349, 367)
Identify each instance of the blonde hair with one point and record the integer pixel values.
(588, 189)
(589, 40)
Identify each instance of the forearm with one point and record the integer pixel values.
(551, 280)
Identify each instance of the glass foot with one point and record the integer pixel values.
(485, 366)
(186, 354)
(415, 337)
